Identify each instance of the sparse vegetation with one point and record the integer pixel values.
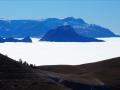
(26, 63)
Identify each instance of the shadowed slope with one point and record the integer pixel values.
(16, 76)
(106, 72)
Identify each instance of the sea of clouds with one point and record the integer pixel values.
(52, 53)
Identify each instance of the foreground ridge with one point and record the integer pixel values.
(15, 75)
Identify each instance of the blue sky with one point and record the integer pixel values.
(102, 12)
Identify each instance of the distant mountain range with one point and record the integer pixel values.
(66, 34)
(11, 39)
(104, 75)
(38, 28)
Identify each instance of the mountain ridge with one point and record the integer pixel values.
(38, 28)
(66, 34)
(97, 76)
(11, 39)
(106, 71)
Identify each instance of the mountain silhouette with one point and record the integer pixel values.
(66, 34)
(11, 39)
(38, 28)
(94, 31)
(1, 40)
(20, 75)
(26, 39)
(72, 21)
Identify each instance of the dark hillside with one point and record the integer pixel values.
(107, 71)
(17, 76)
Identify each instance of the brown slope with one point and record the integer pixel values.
(106, 72)
(16, 76)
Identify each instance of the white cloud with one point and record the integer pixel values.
(47, 53)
